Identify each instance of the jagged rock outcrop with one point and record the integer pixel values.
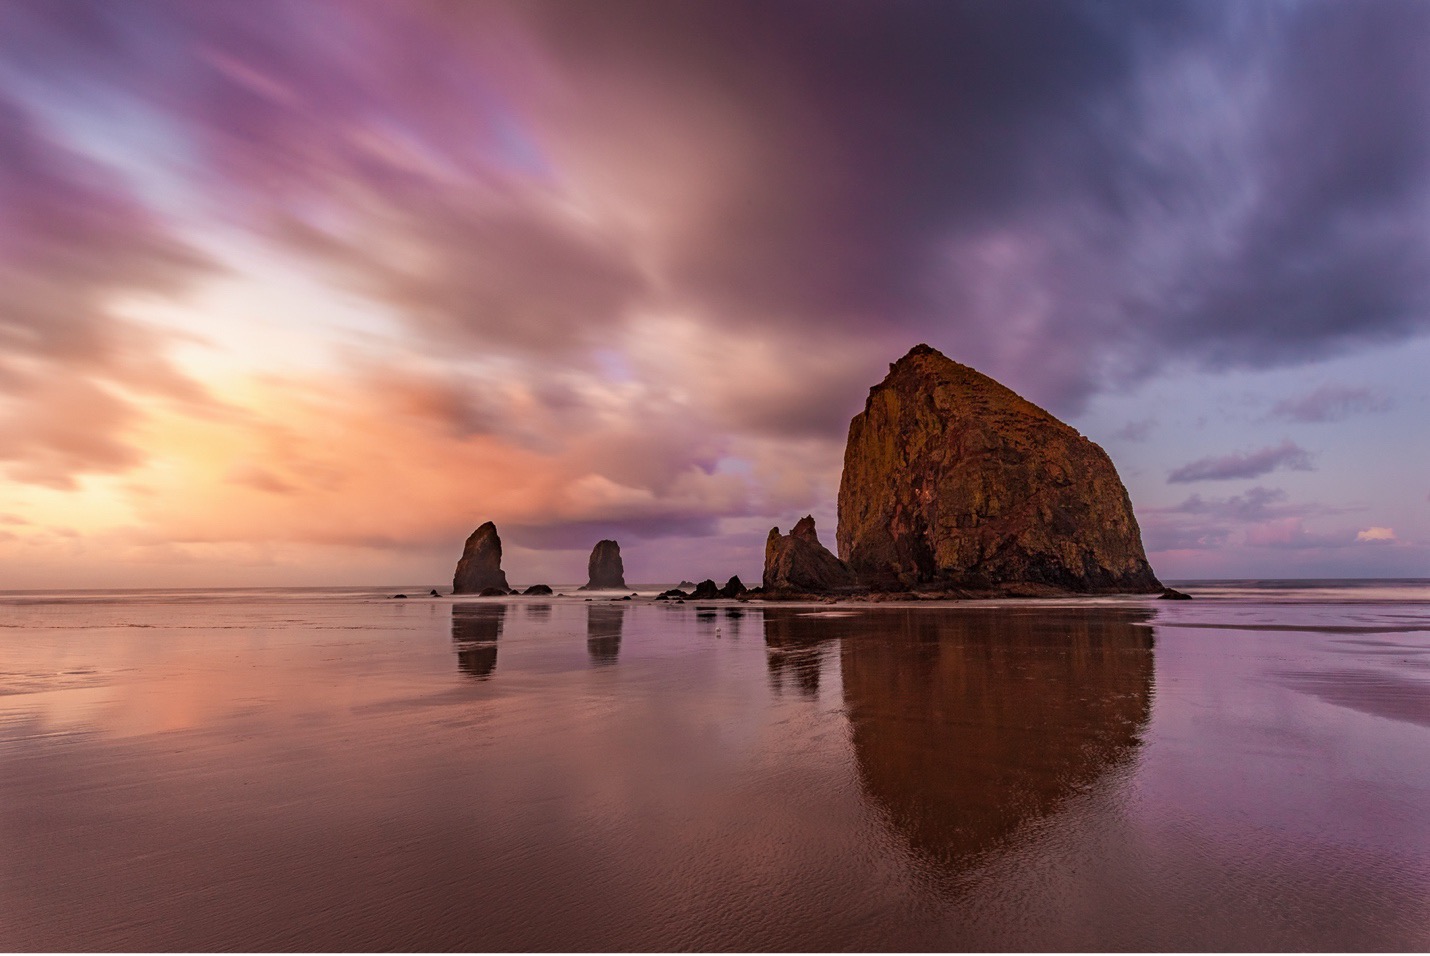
(952, 480)
(733, 588)
(604, 570)
(705, 590)
(797, 562)
(480, 565)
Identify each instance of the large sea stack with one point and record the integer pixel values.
(953, 481)
(480, 565)
(605, 570)
(797, 562)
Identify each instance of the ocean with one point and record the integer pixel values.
(333, 769)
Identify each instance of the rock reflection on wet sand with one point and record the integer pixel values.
(476, 629)
(318, 775)
(603, 631)
(963, 729)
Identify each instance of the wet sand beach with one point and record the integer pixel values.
(330, 769)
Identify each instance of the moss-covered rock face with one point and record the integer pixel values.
(952, 480)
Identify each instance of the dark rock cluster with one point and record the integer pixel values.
(953, 485)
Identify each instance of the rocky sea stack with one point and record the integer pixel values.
(797, 562)
(480, 566)
(953, 481)
(605, 571)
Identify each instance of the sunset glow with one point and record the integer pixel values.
(301, 293)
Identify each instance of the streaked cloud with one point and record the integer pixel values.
(629, 268)
(74, 244)
(1253, 464)
(1329, 403)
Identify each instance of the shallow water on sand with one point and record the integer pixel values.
(327, 769)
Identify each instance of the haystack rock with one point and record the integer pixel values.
(605, 570)
(798, 562)
(952, 480)
(480, 566)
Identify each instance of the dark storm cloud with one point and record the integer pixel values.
(1069, 196)
(1118, 185)
(1287, 455)
(884, 127)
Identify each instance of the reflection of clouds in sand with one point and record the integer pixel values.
(126, 666)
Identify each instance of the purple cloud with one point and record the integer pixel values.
(925, 172)
(1139, 430)
(1291, 534)
(1287, 455)
(1257, 504)
(1068, 199)
(1329, 403)
(73, 239)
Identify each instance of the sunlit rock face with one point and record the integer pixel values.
(967, 725)
(604, 570)
(480, 565)
(952, 480)
(797, 562)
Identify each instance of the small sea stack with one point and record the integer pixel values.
(604, 570)
(480, 566)
(798, 563)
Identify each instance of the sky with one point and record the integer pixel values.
(301, 293)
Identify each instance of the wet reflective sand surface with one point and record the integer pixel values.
(330, 770)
